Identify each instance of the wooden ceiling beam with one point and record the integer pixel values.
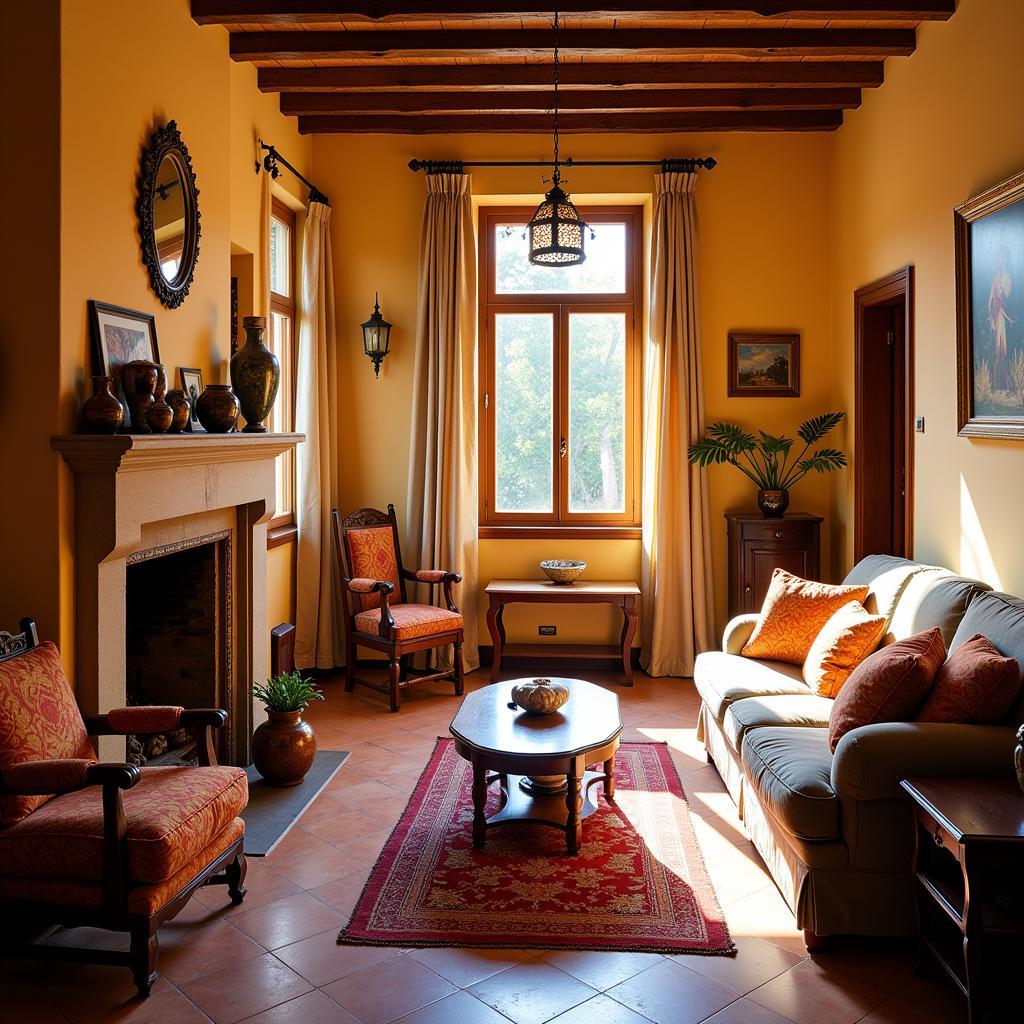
(623, 42)
(625, 77)
(695, 121)
(297, 12)
(314, 103)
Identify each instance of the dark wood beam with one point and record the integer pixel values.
(691, 74)
(701, 121)
(297, 12)
(622, 42)
(592, 100)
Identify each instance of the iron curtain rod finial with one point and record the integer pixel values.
(273, 158)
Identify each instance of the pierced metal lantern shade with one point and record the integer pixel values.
(376, 337)
(556, 231)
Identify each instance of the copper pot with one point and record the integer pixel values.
(181, 406)
(160, 416)
(283, 748)
(217, 408)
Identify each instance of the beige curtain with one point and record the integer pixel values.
(677, 586)
(317, 613)
(261, 300)
(442, 503)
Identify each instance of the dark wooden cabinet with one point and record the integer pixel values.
(758, 546)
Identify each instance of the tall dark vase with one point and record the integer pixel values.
(255, 375)
(140, 380)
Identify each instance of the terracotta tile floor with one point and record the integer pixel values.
(274, 959)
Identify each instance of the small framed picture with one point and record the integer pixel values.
(764, 365)
(120, 335)
(192, 385)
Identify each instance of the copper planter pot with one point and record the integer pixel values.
(283, 748)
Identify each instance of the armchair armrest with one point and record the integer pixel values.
(361, 585)
(142, 719)
(870, 761)
(738, 631)
(43, 778)
(433, 576)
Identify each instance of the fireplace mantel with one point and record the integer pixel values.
(139, 493)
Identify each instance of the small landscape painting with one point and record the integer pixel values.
(764, 365)
(990, 312)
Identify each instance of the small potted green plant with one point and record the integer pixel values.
(765, 458)
(284, 745)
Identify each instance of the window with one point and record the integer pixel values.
(559, 378)
(282, 343)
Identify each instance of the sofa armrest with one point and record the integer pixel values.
(737, 633)
(869, 762)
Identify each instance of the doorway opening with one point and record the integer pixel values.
(884, 416)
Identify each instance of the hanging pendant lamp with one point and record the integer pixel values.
(556, 228)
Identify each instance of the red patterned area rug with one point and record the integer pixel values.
(638, 883)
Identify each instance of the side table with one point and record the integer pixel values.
(968, 875)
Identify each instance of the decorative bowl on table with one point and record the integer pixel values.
(562, 570)
(540, 696)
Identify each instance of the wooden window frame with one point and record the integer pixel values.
(282, 528)
(560, 522)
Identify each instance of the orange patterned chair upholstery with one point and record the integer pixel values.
(377, 611)
(107, 845)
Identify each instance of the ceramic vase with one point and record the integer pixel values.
(217, 408)
(102, 412)
(181, 407)
(160, 416)
(139, 379)
(255, 375)
(283, 748)
(773, 503)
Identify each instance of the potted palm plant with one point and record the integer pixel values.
(284, 745)
(766, 458)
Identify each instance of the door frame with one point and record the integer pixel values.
(886, 291)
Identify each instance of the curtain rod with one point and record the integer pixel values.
(669, 164)
(273, 158)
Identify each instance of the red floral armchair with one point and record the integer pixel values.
(377, 612)
(106, 845)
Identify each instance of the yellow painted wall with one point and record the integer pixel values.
(764, 217)
(124, 68)
(29, 320)
(942, 129)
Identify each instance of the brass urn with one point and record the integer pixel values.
(540, 696)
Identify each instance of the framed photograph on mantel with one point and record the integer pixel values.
(989, 236)
(192, 385)
(764, 365)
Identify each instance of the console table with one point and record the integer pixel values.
(623, 594)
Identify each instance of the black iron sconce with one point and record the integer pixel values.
(376, 337)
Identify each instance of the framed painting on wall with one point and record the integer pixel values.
(989, 238)
(120, 335)
(764, 365)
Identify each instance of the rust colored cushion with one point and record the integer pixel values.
(843, 643)
(172, 814)
(793, 614)
(145, 718)
(39, 720)
(888, 685)
(976, 685)
(411, 621)
(371, 555)
(430, 575)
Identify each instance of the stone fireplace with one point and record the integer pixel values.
(170, 574)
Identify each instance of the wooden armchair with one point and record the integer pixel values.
(106, 845)
(376, 610)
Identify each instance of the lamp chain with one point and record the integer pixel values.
(556, 176)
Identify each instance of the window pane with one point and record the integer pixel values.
(280, 257)
(282, 417)
(523, 411)
(603, 271)
(597, 412)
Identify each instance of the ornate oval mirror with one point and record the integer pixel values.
(168, 211)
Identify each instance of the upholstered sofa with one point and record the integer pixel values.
(835, 830)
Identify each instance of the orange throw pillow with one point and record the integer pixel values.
(977, 685)
(843, 643)
(792, 615)
(888, 685)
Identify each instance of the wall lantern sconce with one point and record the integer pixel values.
(376, 337)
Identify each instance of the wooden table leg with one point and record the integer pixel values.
(497, 630)
(628, 632)
(479, 803)
(574, 804)
(609, 778)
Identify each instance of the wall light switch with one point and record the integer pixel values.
(919, 424)
(547, 631)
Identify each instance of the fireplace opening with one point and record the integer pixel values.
(177, 642)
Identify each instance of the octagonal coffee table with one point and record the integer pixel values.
(539, 761)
